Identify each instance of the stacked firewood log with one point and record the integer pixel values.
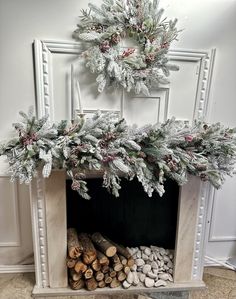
(96, 262)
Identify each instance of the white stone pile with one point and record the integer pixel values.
(153, 267)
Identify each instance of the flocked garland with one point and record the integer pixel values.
(151, 153)
(105, 26)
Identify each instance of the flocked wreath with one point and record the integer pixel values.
(151, 153)
(133, 69)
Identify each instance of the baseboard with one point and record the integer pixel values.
(16, 268)
(209, 263)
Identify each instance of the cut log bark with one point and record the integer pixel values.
(130, 262)
(115, 259)
(76, 285)
(96, 265)
(70, 262)
(121, 276)
(118, 267)
(74, 275)
(121, 249)
(107, 279)
(115, 283)
(91, 284)
(80, 267)
(89, 252)
(104, 245)
(103, 259)
(105, 269)
(88, 273)
(123, 259)
(112, 273)
(99, 276)
(101, 284)
(75, 248)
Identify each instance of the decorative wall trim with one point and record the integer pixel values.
(212, 236)
(44, 49)
(17, 242)
(37, 192)
(200, 243)
(16, 268)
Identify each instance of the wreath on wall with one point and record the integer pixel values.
(104, 143)
(132, 68)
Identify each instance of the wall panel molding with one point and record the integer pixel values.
(43, 49)
(16, 268)
(15, 222)
(213, 237)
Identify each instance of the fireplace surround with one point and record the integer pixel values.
(48, 207)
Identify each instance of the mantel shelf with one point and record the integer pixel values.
(193, 285)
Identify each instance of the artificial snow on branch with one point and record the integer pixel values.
(151, 153)
(106, 25)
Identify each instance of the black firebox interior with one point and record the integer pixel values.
(133, 219)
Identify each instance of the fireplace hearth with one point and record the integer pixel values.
(49, 221)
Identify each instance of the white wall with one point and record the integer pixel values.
(207, 24)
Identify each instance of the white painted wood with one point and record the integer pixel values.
(37, 198)
(16, 268)
(187, 230)
(9, 214)
(41, 292)
(56, 226)
(196, 65)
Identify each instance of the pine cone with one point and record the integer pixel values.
(115, 38)
(105, 46)
(150, 57)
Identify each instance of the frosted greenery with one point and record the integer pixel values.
(105, 26)
(104, 143)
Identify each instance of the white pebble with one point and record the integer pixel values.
(136, 279)
(149, 282)
(130, 277)
(170, 264)
(134, 268)
(144, 257)
(153, 247)
(126, 285)
(139, 254)
(159, 256)
(160, 283)
(166, 267)
(154, 265)
(141, 276)
(147, 251)
(166, 258)
(170, 271)
(146, 268)
(162, 251)
(142, 247)
(139, 262)
(165, 276)
(154, 256)
(155, 271)
(151, 257)
(152, 275)
(171, 256)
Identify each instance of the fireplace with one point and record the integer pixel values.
(49, 218)
(133, 219)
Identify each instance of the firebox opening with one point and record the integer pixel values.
(133, 219)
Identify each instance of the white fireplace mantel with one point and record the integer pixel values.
(48, 203)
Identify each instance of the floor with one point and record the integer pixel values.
(221, 284)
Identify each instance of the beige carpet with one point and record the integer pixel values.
(221, 284)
